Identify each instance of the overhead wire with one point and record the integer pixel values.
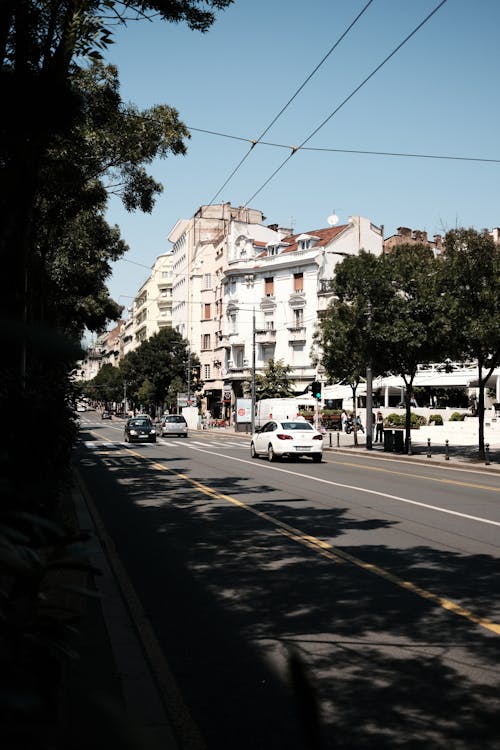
(353, 150)
(254, 142)
(347, 99)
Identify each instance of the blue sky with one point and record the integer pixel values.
(438, 95)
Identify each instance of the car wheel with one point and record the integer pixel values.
(253, 452)
(270, 453)
(317, 458)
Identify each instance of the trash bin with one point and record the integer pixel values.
(388, 440)
(399, 441)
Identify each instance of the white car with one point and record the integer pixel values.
(291, 437)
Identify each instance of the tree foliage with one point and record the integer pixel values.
(274, 382)
(471, 283)
(389, 311)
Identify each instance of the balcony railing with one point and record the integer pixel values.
(296, 333)
(265, 336)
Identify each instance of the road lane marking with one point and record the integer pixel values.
(472, 485)
(356, 488)
(327, 550)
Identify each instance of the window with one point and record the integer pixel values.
(207, 311)
(298, 282)
(232, 324)
(208, 281)
(205, 341)
(298, 318)
(269, 286)
(206, 372)
(269, 322)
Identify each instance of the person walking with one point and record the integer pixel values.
(379, 427)
(344, 419)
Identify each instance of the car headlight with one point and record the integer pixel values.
(153, 432)
(133, 432)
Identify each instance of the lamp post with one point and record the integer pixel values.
(369, 399)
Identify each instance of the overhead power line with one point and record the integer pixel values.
(276, 117)
(348, 98)
(350, 150)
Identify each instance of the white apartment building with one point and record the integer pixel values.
(282, 284)
(152, 306)
(201, 247)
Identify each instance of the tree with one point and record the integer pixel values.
(161, 359)
(106, 386)
(274, 382)
(342, 337)
(414, 328)
(74, 245)
(389, 312)
(471, 280)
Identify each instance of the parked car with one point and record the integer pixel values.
(173, 424)
(139, 430)
(106, 415)
(287, 438)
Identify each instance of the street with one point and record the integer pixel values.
(378, 578)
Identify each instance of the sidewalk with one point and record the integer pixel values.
(113, 693)
(427, 446)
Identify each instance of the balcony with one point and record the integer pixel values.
(265, 336)
(296, 333)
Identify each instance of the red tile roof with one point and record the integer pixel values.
(324, 237)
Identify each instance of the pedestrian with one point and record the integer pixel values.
(343, 417)
(379, 427)
(359, 426)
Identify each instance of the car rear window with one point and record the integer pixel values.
(175, 419)
(297, 426)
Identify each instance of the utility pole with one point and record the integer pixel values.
(125, 409)
(369, 399)
(252, 425)
(189, 378)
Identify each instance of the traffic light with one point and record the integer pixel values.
(316, 389)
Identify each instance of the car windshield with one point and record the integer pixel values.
(140, 423)
(297, 426)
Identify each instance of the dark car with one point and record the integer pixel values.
(106, 415)
(139, 430)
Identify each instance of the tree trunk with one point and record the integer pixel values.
(354, 425)
(480, 410)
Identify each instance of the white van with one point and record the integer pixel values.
(282, 408)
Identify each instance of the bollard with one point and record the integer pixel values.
(446, 454)
(330, 439)
(338, 439)
(428, 447)
(487, 454)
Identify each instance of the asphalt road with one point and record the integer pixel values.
(348, 604)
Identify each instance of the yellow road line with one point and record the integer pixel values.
(333, 553)
(405, 474)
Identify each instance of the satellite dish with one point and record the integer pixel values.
(333, 219)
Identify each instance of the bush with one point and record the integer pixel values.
(399, 420)
(437, 419)
(455, 417)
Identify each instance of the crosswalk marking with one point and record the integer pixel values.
(94, 444)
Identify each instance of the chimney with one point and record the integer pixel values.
(404, 231)
(438, 241)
